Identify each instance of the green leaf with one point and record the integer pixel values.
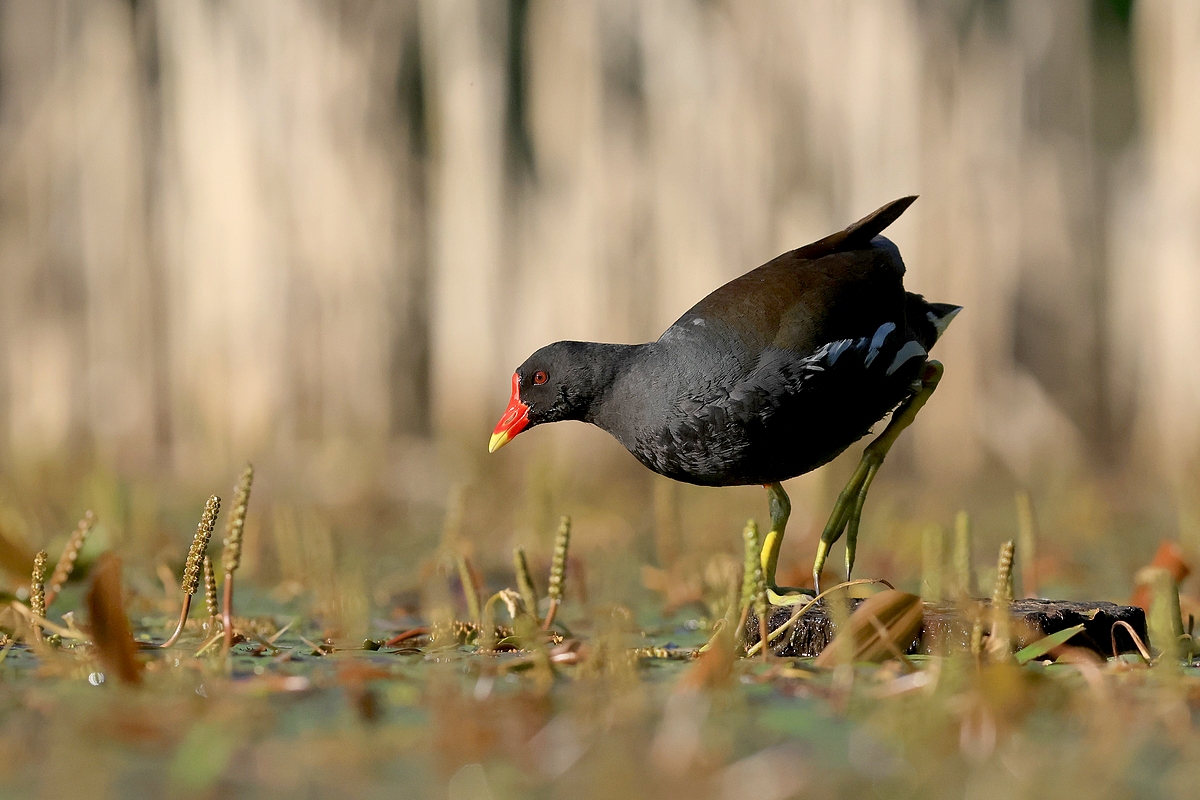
(1046, 644)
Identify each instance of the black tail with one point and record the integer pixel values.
(860, 233)
(928, 320)
(870, 226)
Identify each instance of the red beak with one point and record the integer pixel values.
(515, 419)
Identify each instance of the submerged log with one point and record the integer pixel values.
(947, 626)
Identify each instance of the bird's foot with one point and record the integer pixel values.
(847, 513)
(788, 595)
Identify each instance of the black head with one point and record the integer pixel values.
(561, 381)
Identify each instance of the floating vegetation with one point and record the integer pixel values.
(602, 689)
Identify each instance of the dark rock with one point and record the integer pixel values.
(947, 627)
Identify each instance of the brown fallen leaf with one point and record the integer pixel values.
(110, 626)
(882, 627)
(15, 558)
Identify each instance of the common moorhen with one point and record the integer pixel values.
(770, 376)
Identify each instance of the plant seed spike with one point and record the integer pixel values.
(1027, 536)
(470, 591)
(195, 558)
(932, 556)
(194, 565)
(1164, 622)
(66, 562)
(210, 590)
(964, 575)
(37, 592)
(751, 565)
(750, 560)
(558, 569)
(1002, 595)
(1003, 590)
(525, 581)
(231, 553)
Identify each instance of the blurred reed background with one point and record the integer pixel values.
(321, 235)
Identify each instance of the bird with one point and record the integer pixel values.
(770, 376)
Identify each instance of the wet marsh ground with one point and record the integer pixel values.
(320, 697)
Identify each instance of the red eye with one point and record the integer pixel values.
(539, 378)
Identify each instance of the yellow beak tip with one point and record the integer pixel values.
(497, 441)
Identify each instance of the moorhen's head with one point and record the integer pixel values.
(561, 381)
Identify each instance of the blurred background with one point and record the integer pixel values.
(321, 235)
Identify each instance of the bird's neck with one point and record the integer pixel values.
(629, 390)
(605, 368)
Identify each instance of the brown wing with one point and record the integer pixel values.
(842, 286)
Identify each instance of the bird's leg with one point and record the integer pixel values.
(781, 509)
(847, 512)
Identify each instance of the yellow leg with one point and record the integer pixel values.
(847, 511)
(781, 509)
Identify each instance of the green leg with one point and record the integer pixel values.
(781, 509)
(847, 512)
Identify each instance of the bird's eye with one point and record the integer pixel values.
(539, 378)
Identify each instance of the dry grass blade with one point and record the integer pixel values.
(1143, 651)
(110, 626)
(70, 553)
(274, 637)
(208, 644)
(558, 569)
(882, 625)
(39, 622)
